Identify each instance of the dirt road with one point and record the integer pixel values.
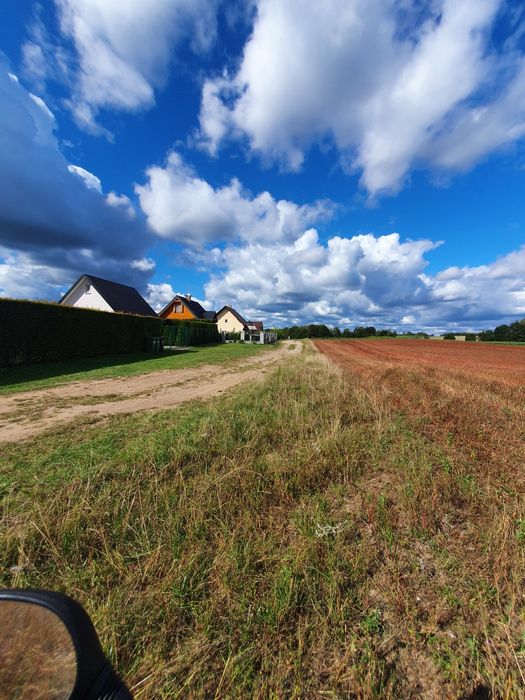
(27, 414)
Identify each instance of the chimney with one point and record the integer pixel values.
(188, 297)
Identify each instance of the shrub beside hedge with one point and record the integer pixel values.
(32, 332)
(232, 336)
(186, 333)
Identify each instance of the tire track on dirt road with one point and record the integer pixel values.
(27, 414)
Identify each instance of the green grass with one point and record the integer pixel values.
(301, 537)
(505, 342)
(17, 379)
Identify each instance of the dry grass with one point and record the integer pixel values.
(317, 535)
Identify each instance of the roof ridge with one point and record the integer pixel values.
(237, 315)
(102, 279)
(196, 308)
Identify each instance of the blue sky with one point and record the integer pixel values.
(361, 161)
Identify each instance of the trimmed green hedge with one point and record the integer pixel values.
(186, 333)
(32, 332)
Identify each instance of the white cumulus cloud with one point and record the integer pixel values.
(22, 277)
(92, 182)
(121, 51)
(486, 292)
(183, 207)
(158, 295)
(122, 202)
(362, 276)
(144, 264)
(366, 279)
(393, 85)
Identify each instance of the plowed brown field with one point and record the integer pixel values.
(465, 403)
(504, 363)
(472, 392)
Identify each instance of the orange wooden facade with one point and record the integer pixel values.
(178, 310)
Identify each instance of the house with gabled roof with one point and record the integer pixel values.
(230, 321)
(90, 292)
(184, 308)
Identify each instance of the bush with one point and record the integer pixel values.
(486, 336)
(186, 333)
(449, 336)
(39, 332)
(235, 337)
(471, 337)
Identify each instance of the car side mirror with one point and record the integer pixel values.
(49, 650)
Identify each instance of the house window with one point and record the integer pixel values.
(177, 308)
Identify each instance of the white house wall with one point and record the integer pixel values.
(84, 299)
(228, 323)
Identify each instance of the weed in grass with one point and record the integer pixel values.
(372, 622)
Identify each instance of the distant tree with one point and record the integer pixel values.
(312, 330)
(317, 330)
(449, 336)
(486, 336)
(336, 332)
(361, 332)
(517, 331)
(298, 332)
(471, 337)
(502, 332)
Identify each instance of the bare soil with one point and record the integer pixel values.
(27, 414)
(503, 363)
(470, 392)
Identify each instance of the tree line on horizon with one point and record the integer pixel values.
(320, 330)
(514, 332)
